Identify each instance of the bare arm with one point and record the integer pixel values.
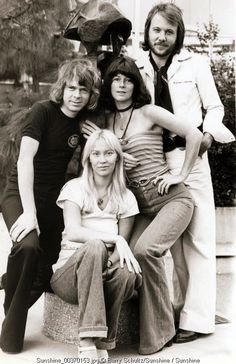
(125, 230)
(206, 142)
(27, 221)
(126, 227)
(193, 137)
(76, 232)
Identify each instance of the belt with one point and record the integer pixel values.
(141, 182)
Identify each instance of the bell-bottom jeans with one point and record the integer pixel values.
(98, 291)
(168, 217)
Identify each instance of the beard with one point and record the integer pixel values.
(165, 52)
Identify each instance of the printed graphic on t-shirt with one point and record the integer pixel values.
(73, 141)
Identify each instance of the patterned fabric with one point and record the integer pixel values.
(148, 148)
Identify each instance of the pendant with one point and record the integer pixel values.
(100, 201)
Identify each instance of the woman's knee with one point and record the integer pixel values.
(187, 198)
(189, 202)
(186, 207)
(131, 280)
(95, 247)
(126, 275)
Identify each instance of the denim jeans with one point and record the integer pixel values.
(169, 217)
(98, 291)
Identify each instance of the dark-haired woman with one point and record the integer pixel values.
(162, 197)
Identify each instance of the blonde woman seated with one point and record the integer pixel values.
(96, 267)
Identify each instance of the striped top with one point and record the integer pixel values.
(147, 147)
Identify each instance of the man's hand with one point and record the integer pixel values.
(206, 142)
(25, 223)
(88, 128)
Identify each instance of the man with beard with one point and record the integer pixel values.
(182, 83)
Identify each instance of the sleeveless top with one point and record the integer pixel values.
(147, 147)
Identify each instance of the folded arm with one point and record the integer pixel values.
(78, 233)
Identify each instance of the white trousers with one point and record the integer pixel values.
(194, 253)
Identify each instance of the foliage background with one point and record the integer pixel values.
(31, 35)
(31, 38)
(222, 157)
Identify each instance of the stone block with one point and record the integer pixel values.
(60, 321)
(226, 225)
(60, 318)
(226, 287)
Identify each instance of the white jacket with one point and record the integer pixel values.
(191, 87)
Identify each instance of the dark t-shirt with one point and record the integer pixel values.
(58, 136)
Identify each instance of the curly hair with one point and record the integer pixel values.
(173, 14)
(127, 67)
(81, 70)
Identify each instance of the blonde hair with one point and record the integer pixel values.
(81, 70)
(117, 187)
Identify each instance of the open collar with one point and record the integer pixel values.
(144, 63)
(178, 58)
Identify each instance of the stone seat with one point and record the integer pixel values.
(60, 318)
(60, 321)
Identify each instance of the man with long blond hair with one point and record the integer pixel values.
(29, 206)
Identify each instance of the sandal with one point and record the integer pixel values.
(87, 352)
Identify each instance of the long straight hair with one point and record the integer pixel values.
(117, 187)
(127, 67)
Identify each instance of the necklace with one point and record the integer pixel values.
(121, 139)
(125, 109)
(100, 200)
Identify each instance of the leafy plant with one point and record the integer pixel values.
(31, 38)
(222, 157)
